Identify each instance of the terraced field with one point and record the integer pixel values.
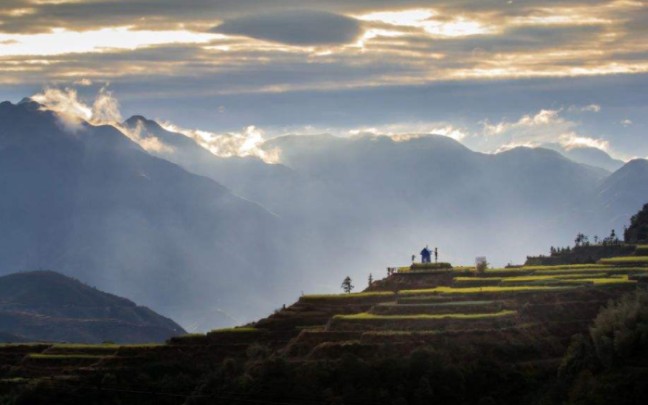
(561, 299)
(525, 314)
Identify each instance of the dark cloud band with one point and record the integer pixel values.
(303, 27)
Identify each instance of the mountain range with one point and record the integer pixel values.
(95, 205)
(213, 241)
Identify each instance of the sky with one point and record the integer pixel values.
(493, 74)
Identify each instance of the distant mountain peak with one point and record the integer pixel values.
(135, 119)
(26, 104)
(525, 151)
(638, 163)
(588, 155)
(30, 104)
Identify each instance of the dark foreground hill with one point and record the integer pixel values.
(48, 306)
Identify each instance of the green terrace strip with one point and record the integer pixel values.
(591, 266)
(619, 279)
(234, 330)
(514, 279)
(586, 266)
(368, 316)
(65, 356)
(611, 280)
(346, 296)
(101, 346)
(86, 345)
(433, 332)
(460, 279)
(626, 260)
(419, 268)
(553, 277)
(608, 270)
(599, 269)
(440, 304)
(189, 336)
(641, 251)
(464, 268)
(25, 344)
(477, 290)
(14, 380)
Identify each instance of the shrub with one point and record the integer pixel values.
(481, 266)
(620, 331)
(577, 357)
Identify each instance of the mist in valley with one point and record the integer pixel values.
(217, 229)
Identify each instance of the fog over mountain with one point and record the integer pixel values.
(93, 204)
(201, 238)
(367, 201)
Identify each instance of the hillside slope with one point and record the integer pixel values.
(362, 201)
(423, 335)
(93, 204)
(623, 193)
(48, 306)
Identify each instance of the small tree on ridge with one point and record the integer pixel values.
(346, 285)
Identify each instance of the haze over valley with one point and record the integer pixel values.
(395, 202)
(158, 214)
(214, 160)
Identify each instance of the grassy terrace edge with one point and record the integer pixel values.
(244, 329)
(477, 290)
(64, 356)
(370, 316)
(625, 260)
(313, 297)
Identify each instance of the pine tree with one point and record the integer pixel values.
(346, 285)
(370, 279)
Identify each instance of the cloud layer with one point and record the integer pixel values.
(73, 114)
(309, 58)
(297, 27)
(336, 44)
